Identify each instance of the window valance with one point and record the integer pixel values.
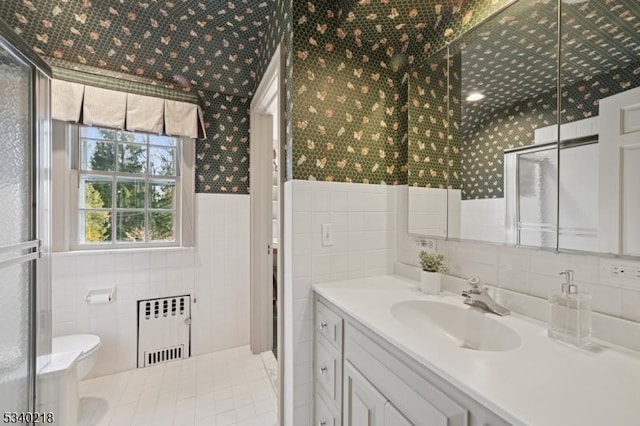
(95, 106)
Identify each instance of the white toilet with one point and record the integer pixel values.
(86, 344)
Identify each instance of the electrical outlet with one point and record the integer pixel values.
(625, 272)
(617, 271)
(426, 243)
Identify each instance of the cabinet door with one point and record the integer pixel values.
(393, 417)
(363, 404)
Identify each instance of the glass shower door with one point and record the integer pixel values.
(18, 247)
(537, 197)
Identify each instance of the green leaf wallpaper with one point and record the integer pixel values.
(280, 30)
(349, 115)
(405, 31)
(351, 86)
(428, 141)
(351, 68)
(222, 160)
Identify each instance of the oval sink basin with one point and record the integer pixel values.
(465, 327)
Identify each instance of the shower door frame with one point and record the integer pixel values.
(40, 162)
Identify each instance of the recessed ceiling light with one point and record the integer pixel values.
(475, 96)
(574, 1)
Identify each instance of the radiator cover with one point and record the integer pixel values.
(164, 330)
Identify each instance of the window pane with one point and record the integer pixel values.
(130, 193)
(132, 158)
(130, 137)
(130, 227)
(162, 140)
(162, 161)
(96, 133)
(94, 227)
(161, 195)
(97, 155)
(161, 227)
(95, 192)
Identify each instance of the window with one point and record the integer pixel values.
(128, 189)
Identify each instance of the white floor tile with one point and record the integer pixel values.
(226, 388)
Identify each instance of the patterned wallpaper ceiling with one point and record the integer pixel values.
(205, 45)
(402, 32)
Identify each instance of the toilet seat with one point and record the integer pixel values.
(86, 344)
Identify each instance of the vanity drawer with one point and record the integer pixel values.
(328, 372)
(329, 325)
(325, 416)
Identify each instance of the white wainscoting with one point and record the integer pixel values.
(215, 273)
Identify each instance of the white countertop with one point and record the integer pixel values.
(541, 383)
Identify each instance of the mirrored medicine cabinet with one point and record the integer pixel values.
(526, 130)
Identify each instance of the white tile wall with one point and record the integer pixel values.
(215, 273)
(364, 226)
(221, 314)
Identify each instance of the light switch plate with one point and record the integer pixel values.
(327, 235)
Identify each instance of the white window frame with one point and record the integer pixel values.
(66, 182)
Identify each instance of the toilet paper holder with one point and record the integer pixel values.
(100, 295)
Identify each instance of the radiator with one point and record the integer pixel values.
(164, 330)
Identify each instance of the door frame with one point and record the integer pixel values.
(270, 89)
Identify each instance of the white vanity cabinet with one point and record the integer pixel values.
(364, 405)
(362, 381)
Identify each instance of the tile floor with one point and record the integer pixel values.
(225, 388)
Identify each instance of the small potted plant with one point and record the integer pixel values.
(433, 266)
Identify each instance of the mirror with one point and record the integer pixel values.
(600, 132)
(483, 124)
(502, 92)
(428, 150)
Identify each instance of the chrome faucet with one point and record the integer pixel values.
(479, 297)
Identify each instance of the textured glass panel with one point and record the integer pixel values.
(130, 227)
(14, 337)
(161, 226)
(95, 227)
(161, 195)
(162, 161)
(131, 193)
(537, 197)
(132, 158)
(96, 192)
(97, 155)
(15, 150)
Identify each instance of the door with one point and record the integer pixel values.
(363, 404)
(619, 198)
(261, 181)
(18, 247)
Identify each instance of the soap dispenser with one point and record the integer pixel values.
(570, 314)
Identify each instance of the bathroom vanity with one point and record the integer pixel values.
(386, 354)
